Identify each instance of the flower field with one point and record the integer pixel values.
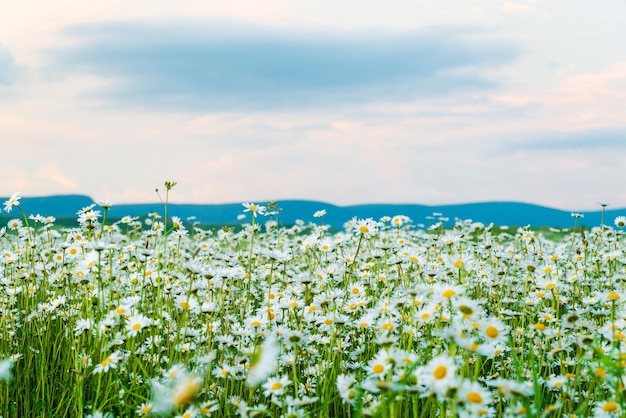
(155, 316)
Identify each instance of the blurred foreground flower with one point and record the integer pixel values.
(175, 390)
(5, 370)
(263, 361)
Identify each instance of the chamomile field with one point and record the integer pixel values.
(155, 316)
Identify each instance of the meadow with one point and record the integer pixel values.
(156, 316)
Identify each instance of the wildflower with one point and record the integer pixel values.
(511, 388)
(254, 208)
(136, 323)
(319, 213)
(81, 326)
(379, 365)
(223, 371)
(107, 363)
(399, 220)
(474, 395)
(467, 307)
(620, 221)
(105, 204)
(263, 361)
(14, 224)
(447, 292)
(494, 330)
(177, 389)
(190, 412)
(177, 223)
(5, 369)
(607, 409)
(365, 227)
(276, 387)
(84, 360)
(184, 302)
(144, 409)
(438, 375)
(14, 200)
(613, 296)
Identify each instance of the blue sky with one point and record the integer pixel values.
(345, 102)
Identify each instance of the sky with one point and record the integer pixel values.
(342, 101)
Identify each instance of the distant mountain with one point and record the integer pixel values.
(59, 206)
(500, 213)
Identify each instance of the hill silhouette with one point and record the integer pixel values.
(500, 213)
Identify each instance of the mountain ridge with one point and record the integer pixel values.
(498, 212)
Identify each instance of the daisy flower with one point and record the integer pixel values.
(14, 224)
(254, 208)
(366, 227)
(14, 200)
(494, 330)
(144, 409)
(473, 395)
(319, 213)
(379, 365)
(608, 409)
(276, 386)
(107, 363)
(136, 323)
(346, 388)
(438, 375)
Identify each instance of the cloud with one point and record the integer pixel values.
(220, 66)
(51, 173)
(587, 140)
(8, 69)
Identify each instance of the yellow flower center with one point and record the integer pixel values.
(459, 263)
(474, 397)
(277, 386)
(378, 368)
(364, 229)
(610, 407)
(491, 331)
(448, 293)
(186, 391)
(440, 372)
(613, 296)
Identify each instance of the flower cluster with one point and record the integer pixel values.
(381, 318)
